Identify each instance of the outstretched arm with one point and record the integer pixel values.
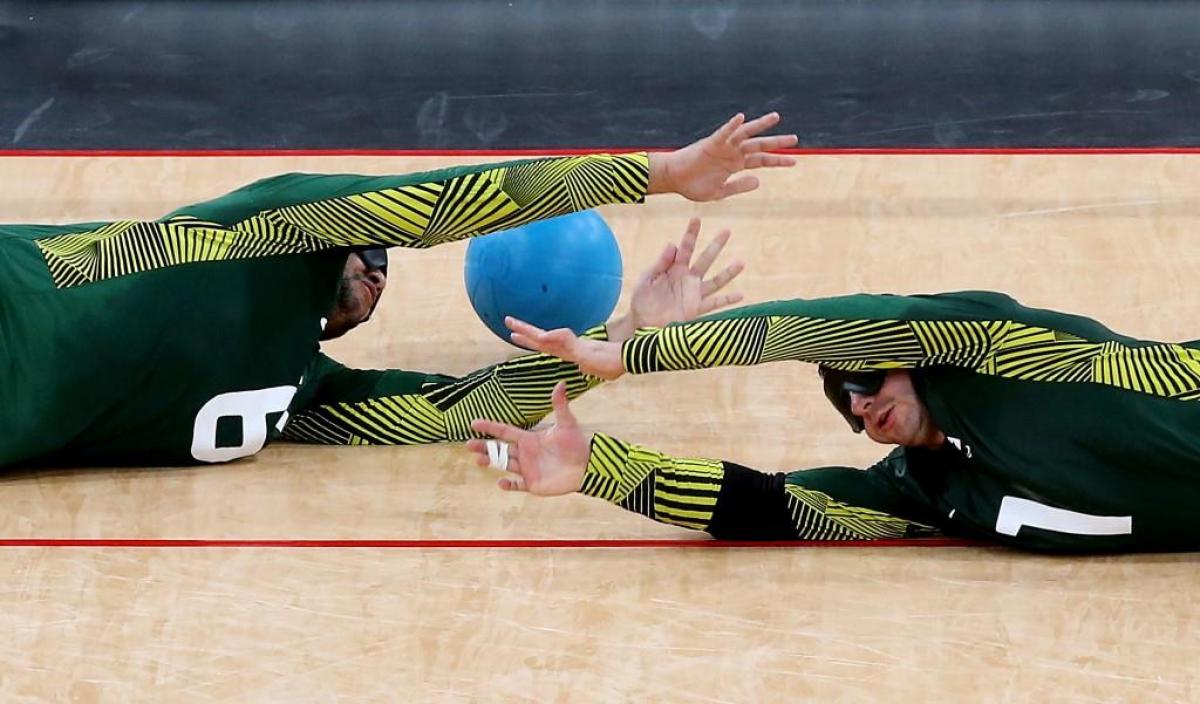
(722, 498)
(395, 407)
(311, 212)
(987, 333)
(427, 209)
(297, 213)
(352, 406)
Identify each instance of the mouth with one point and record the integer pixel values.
(372, 292)
(884, 420)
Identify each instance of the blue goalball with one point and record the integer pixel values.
(559, 273)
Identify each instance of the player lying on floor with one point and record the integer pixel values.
(1028, 427)
(195, 338)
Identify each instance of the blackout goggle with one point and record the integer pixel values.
(375, 259)
(840, 384)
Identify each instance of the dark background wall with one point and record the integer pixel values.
(476, 74)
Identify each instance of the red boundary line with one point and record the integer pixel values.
(467, 544)
(890, 151)
(502, 544)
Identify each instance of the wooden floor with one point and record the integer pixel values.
(1114, 237)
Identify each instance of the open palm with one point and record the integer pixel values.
(674, 288)
(707, 169)
(546, 462)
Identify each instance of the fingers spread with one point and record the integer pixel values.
(762, 159)
(725, 131)
(756, 126)
(722, 279)
(705, 261)
(687, 245)
(741, 184)
(770, 143)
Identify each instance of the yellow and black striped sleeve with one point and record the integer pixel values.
(428, 209)
(987, 333)
(296, 213)
(733, 502)
(362, 407)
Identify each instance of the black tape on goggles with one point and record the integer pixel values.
(840, 384)
(375, 259)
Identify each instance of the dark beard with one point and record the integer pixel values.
(345, 295)
(343, 301)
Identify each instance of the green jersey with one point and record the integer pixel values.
(194, 338)
(1061, 434)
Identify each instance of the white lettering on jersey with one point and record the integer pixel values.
(960, 446)
(1016, 513)
(252, 408)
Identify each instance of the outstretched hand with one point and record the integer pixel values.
(599, 358)
(548, 462)
(674, 288)
(705, 170)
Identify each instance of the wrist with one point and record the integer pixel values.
(661, 178)
(621, 328)
(581, 476)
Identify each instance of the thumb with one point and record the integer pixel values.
(562, 409)
(664, 262)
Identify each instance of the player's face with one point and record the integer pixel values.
(360, 290)
(895, 415)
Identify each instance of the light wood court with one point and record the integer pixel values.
(1113, 237)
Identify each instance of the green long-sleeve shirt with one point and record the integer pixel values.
(1061, 434)
(194, 338)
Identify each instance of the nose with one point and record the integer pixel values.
(378, 279)
(860, 403)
